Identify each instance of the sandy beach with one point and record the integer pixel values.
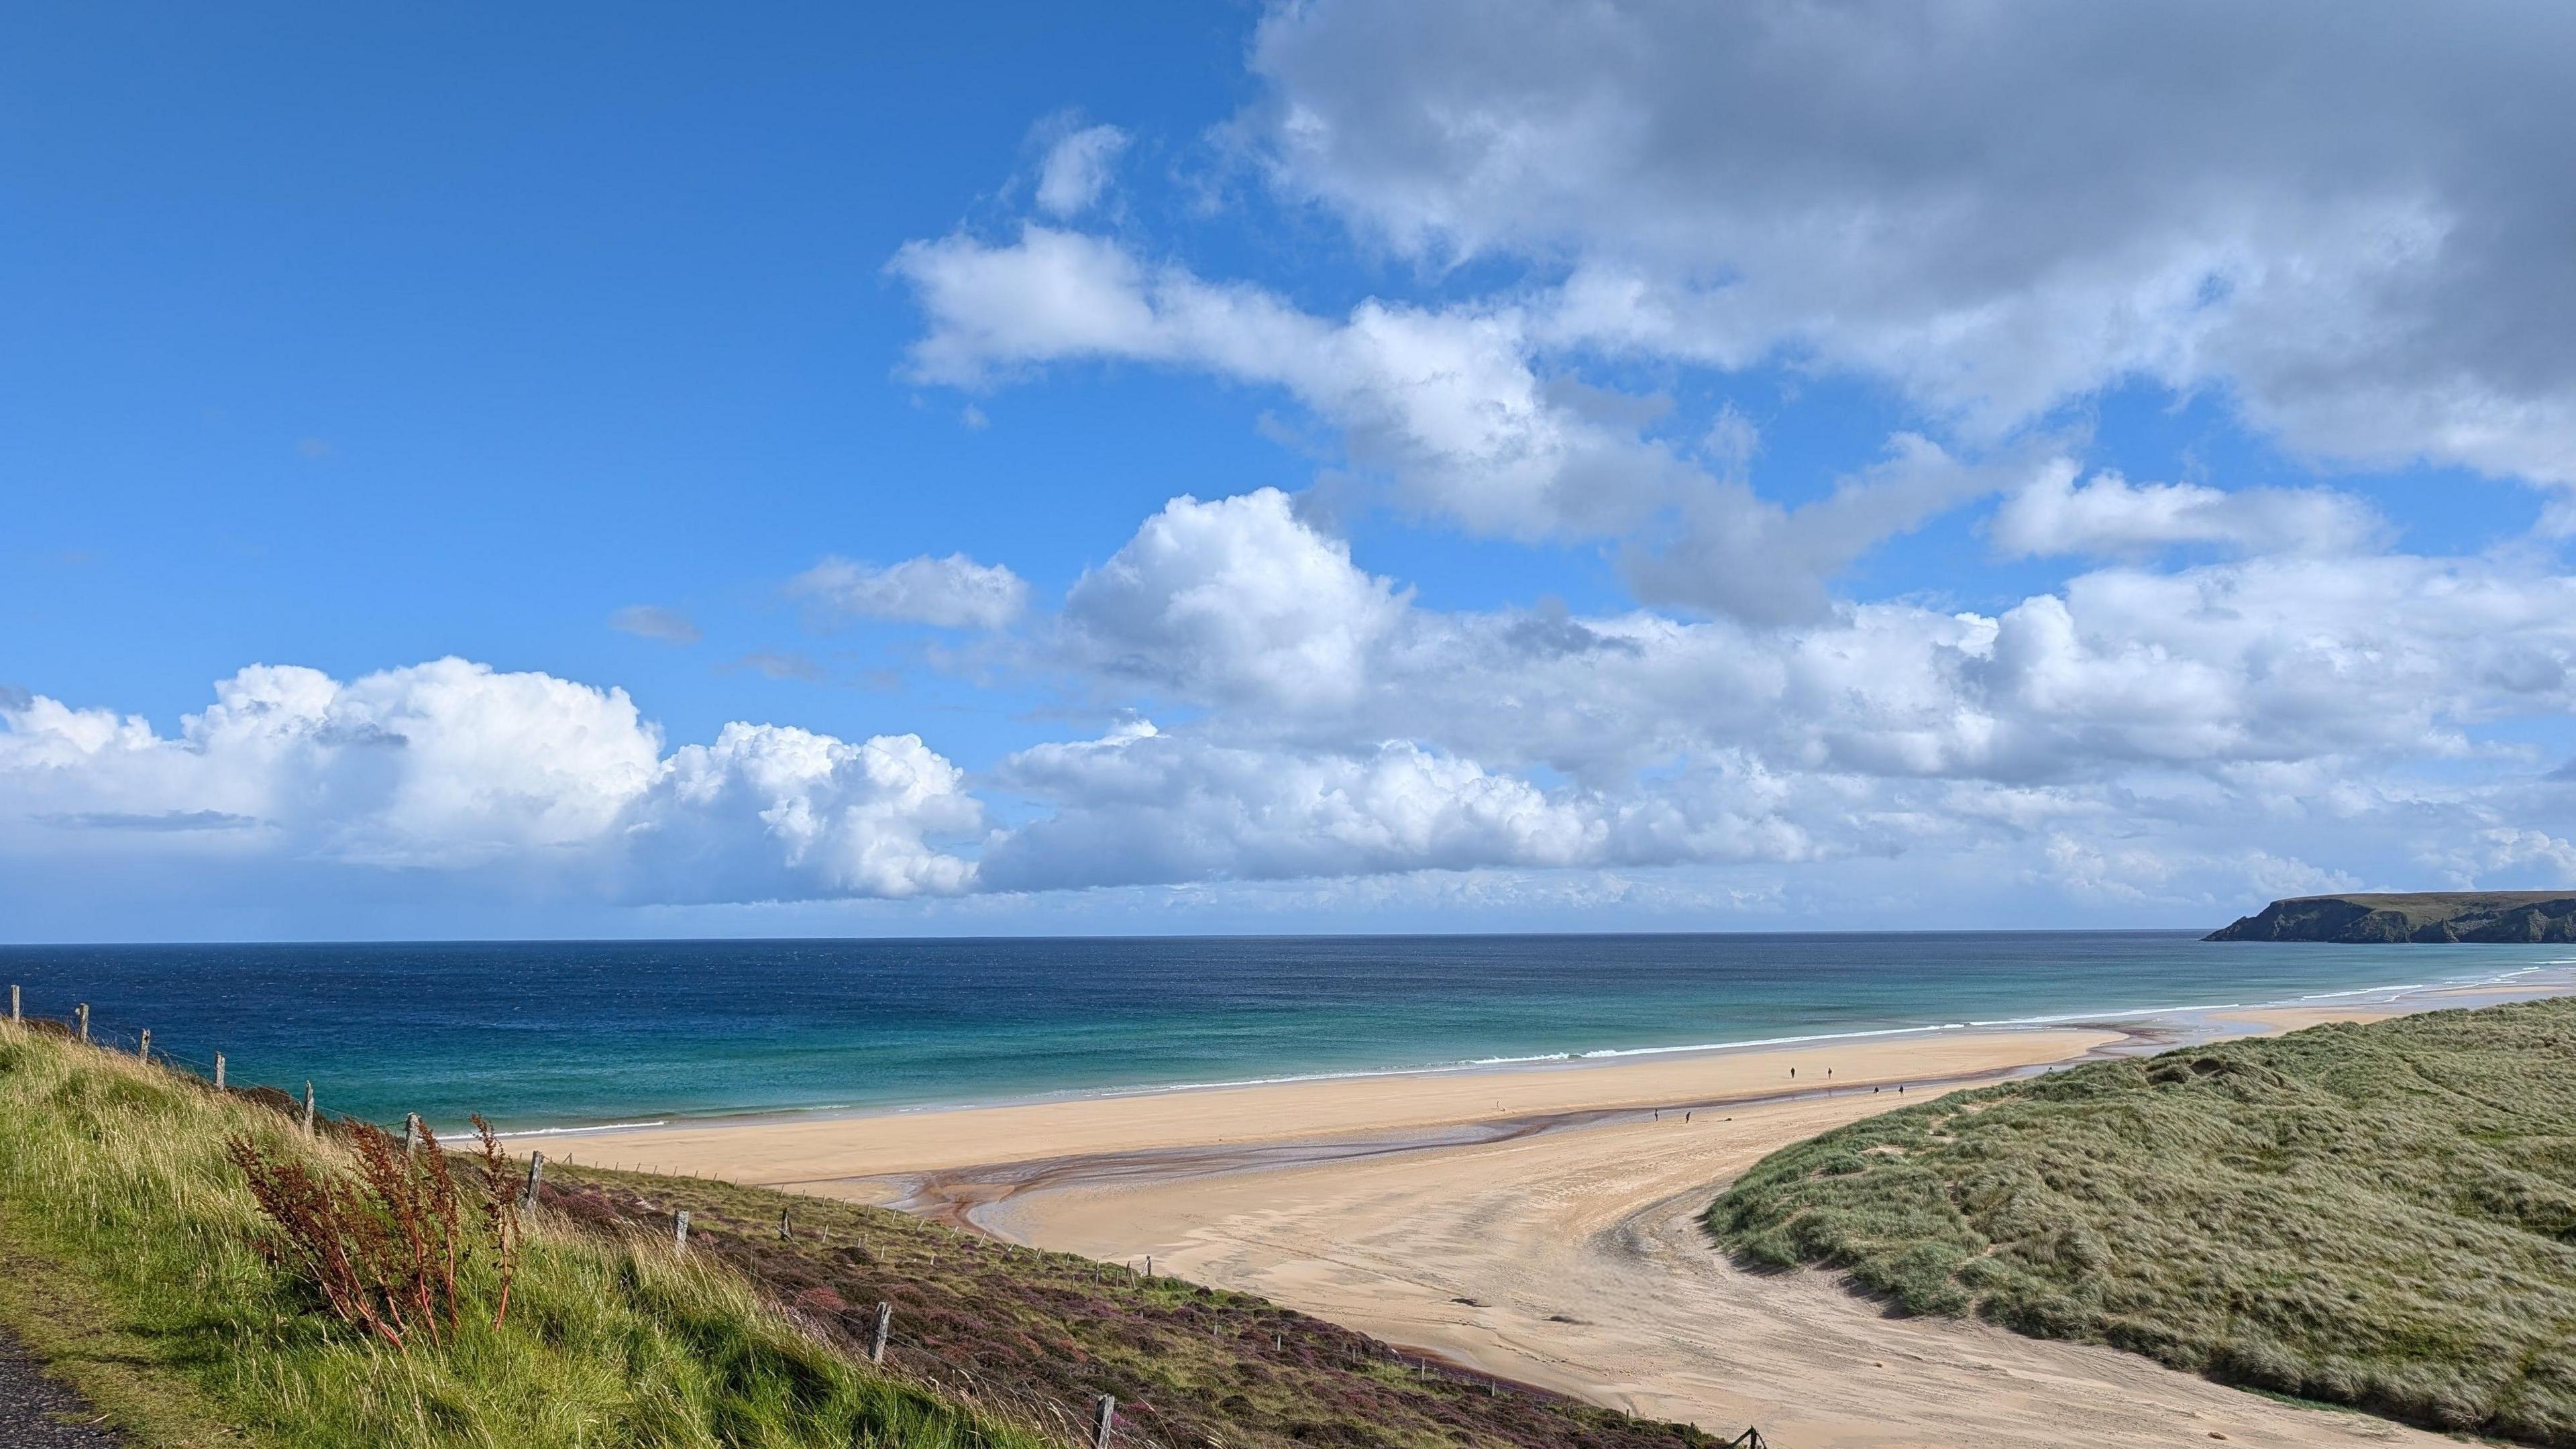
(1539, 1222)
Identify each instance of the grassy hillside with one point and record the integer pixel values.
(2382, 1215)
(127, 1260)
(1190, 1365)
(130, 1266)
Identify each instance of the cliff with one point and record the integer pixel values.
(2418, 916)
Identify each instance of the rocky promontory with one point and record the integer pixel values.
(2416, 916)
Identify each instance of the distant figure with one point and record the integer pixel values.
(1686, 1119)
(1793, 1072)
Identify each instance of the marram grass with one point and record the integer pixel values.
(130, 1238)
(2377, 1215)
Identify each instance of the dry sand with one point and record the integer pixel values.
(1540, 1223)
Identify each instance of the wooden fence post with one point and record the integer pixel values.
(1104, 1416)
(82, 1011)
(536, 1172)
(143, 1048)
(876, 1344)
(784, 1233)
(308, 1109)
(14, 1017)
(219, 1071)
(680, 1228)
(411, 1133)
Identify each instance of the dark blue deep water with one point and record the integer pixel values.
(557, 1033)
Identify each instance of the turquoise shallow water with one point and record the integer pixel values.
(566, 1033)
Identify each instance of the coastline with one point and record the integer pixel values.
(1540, 1222)
(1573, 1257)
(862, 1153)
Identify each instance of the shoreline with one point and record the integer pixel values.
(773, 1116)
(956, 1160)
(1540, 1223)
(1573, 1257)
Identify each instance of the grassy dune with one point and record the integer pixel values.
(127, 1259)
(2382, 1216)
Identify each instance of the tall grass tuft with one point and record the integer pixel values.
(143, 1264)
(2382, 1215)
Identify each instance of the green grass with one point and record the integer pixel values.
(2381, 1216)
(127, 1250)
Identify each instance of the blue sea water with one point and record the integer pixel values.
(536, 1034)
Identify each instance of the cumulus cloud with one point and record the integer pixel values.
(441, 763)
(1996, 207)
(1138, 805)
(2136, 738)
(1234, 600)
(1076, 169)
(452, 765)
(651, 621)
(2107, 514)
(1241, 607)
(768, 811)
(953, 592)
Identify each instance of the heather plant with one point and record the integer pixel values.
(2376, 1215)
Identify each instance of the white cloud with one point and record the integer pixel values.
(2107, 514)
(1447, 402)
(442, 763)
(953, 592)
(1997, 207)
(1077, 168)
(453, 766)
(2143, 740)
(767, 811)
(2535, 857)
(1141, 806)
(1232, 600)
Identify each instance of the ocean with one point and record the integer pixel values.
(538, 1035)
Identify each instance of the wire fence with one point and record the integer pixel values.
(850, 1331)
(1073, 1424)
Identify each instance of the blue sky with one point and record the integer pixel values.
(1652, 471)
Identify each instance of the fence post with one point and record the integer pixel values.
(14, 1017)
(82, 1011)
(876, 1344)
(1104, 1415)
(219, 1071)
(411, 1133)
(783, 1233)
(308, 1109)
(536, 1171)
(680, 1228)
(143, 1048)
